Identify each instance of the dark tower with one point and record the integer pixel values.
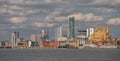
(71, 27)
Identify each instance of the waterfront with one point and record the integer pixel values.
(51, 54)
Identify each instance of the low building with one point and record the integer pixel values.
(24, 44)
(100, 34)
(61, 38)
(34, 44)
(82, 37)
(5, 44)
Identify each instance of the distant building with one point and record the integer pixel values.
(14, 37)
(44, 35)
(62, 38)
(71, 27)
(38, 38)
(58, 32)
(20, 39)
(33, 37)
(24, 44)
(82, 37)
(90, 31)
(100, 34)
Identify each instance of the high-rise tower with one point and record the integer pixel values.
(58, 31)
(14, 37)
(44, 35)
(71, 27)
(38, 39)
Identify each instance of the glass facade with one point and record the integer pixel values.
(71, 27)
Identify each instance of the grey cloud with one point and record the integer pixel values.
(3, 20)
(78, 1)
(84, 1)
(3, 2)
(38, 10)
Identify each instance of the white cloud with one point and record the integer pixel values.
(55, 13)
(86, 17)
(47, 18)
(114, 21)
(117, 1)
(2, 0)
(13, 27)
(110, 2)
(15, 7)
(50, 1)
(29, 12)
(38, 24)
(16, 1)
(21, 11)
(18, 26)
(92, 17)
(50, 24)
(17, 10)
(3, 10)
(12, 10)
(31, 2)
(41, 24)
(17, 19)
(105, 10)
(59, 18)
(78, 17)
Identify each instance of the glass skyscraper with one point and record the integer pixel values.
(71, 27)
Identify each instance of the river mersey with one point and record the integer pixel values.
(51, 54)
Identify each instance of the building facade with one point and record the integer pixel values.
(14, 37)
(44, 35)
(90, 31)
(71, 27)
(82, 37)
(38, 39)
(58, 32)
(100, 34)
(33, 37)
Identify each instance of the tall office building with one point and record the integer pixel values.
(44, 35)
(58, 31)
(71, 27)
(38, 39)
(14, 37)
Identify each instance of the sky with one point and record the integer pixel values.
(31, 16)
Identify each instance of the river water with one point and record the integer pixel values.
(50, 54)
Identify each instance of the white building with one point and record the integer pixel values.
(44, 35)
(90, 31)
(38, 38)
(14, 37)
(58, 32)
(82, 37)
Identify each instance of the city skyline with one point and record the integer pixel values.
(31, 16)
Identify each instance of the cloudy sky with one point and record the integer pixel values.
(31, 16)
